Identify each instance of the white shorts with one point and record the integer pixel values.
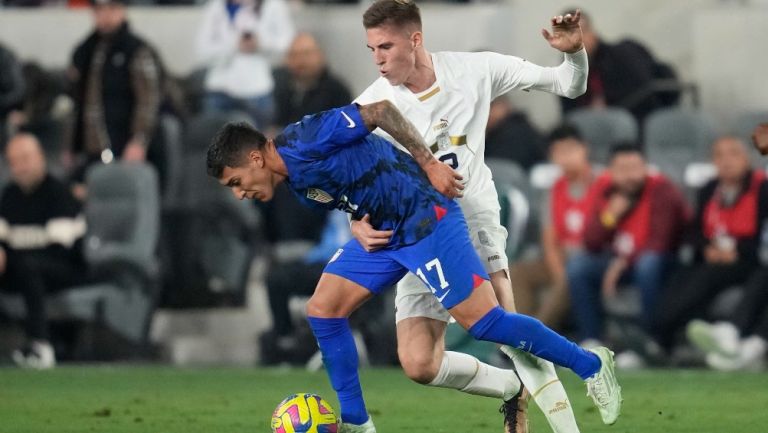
(489, 237)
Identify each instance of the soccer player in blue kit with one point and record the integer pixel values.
(330, 160)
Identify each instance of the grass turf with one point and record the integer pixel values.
(167, 400)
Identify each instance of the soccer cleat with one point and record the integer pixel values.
(38, 355)
(750, 357)
(366, 427)
(721, 338)
(515, 412)
(603, 387)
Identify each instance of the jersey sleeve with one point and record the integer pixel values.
(331, 130)
(568, 79)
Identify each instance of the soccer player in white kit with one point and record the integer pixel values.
(447, 96)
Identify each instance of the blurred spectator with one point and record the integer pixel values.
(741, 341)
(631, 234)
(298, 277)
(41, 230)
(11, 87)
(38, 113)
(117, 80)
(564, 214)
(760, 138)
(732, 210)
(509, 135)
(236, 40)
(306, 85)
(617, 72)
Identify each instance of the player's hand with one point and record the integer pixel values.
(760, 138)
(135, 151)
(445, 179)
(618, 205)
(370, 238)
(566, 33)
(613, 275)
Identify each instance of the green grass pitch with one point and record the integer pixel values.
(167, 400)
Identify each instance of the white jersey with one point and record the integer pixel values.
(453, 113)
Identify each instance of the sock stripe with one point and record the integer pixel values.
(538, 391)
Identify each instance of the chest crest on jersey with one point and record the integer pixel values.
(319, 195)
(443, 140)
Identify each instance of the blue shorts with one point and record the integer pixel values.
(445, 260)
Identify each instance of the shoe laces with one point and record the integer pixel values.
(598, 391)
(510, 408)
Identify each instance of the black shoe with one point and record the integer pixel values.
(515, 412)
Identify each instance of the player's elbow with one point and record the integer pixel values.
(576, 90)
(382, 108)
(377, 113)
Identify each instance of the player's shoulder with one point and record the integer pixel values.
(465, 64)
(378, 90)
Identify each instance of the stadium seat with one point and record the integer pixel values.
(211, 238)
(514, 192)
(602, 128)
(172, 135)
(202, 128)
(743, 126)
(122, 214)
(675, 137)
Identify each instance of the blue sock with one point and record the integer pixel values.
(529, 334)
(340, 358)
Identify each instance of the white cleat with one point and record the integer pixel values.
(750, 357)
(39, 355)
(366, 427)
(721, 338)
(603, 387)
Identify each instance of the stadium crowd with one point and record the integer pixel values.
(647, 228)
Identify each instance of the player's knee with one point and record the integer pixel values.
(419, 367)
(317, 308)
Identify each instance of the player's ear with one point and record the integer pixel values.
(417, 39)
(255, 157)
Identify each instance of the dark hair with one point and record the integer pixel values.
(397, 12)
(229, 145)
(624, 148)
(564, 132)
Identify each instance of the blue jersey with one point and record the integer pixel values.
(334, 162)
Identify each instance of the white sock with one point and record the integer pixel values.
(540, 377)
(467, 374)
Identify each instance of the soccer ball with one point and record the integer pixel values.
(304, 413)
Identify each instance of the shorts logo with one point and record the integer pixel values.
(484, 239)
(336, 255)
(319, 195)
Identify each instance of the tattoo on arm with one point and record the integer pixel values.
(385, 115)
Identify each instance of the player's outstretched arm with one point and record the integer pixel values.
(569, 79)
(385, 115)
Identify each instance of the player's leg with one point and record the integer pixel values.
(350, 278)
(539, 376)
(448, 263)
(481, 315)
(421, 324)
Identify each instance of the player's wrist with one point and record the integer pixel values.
(576, 51)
